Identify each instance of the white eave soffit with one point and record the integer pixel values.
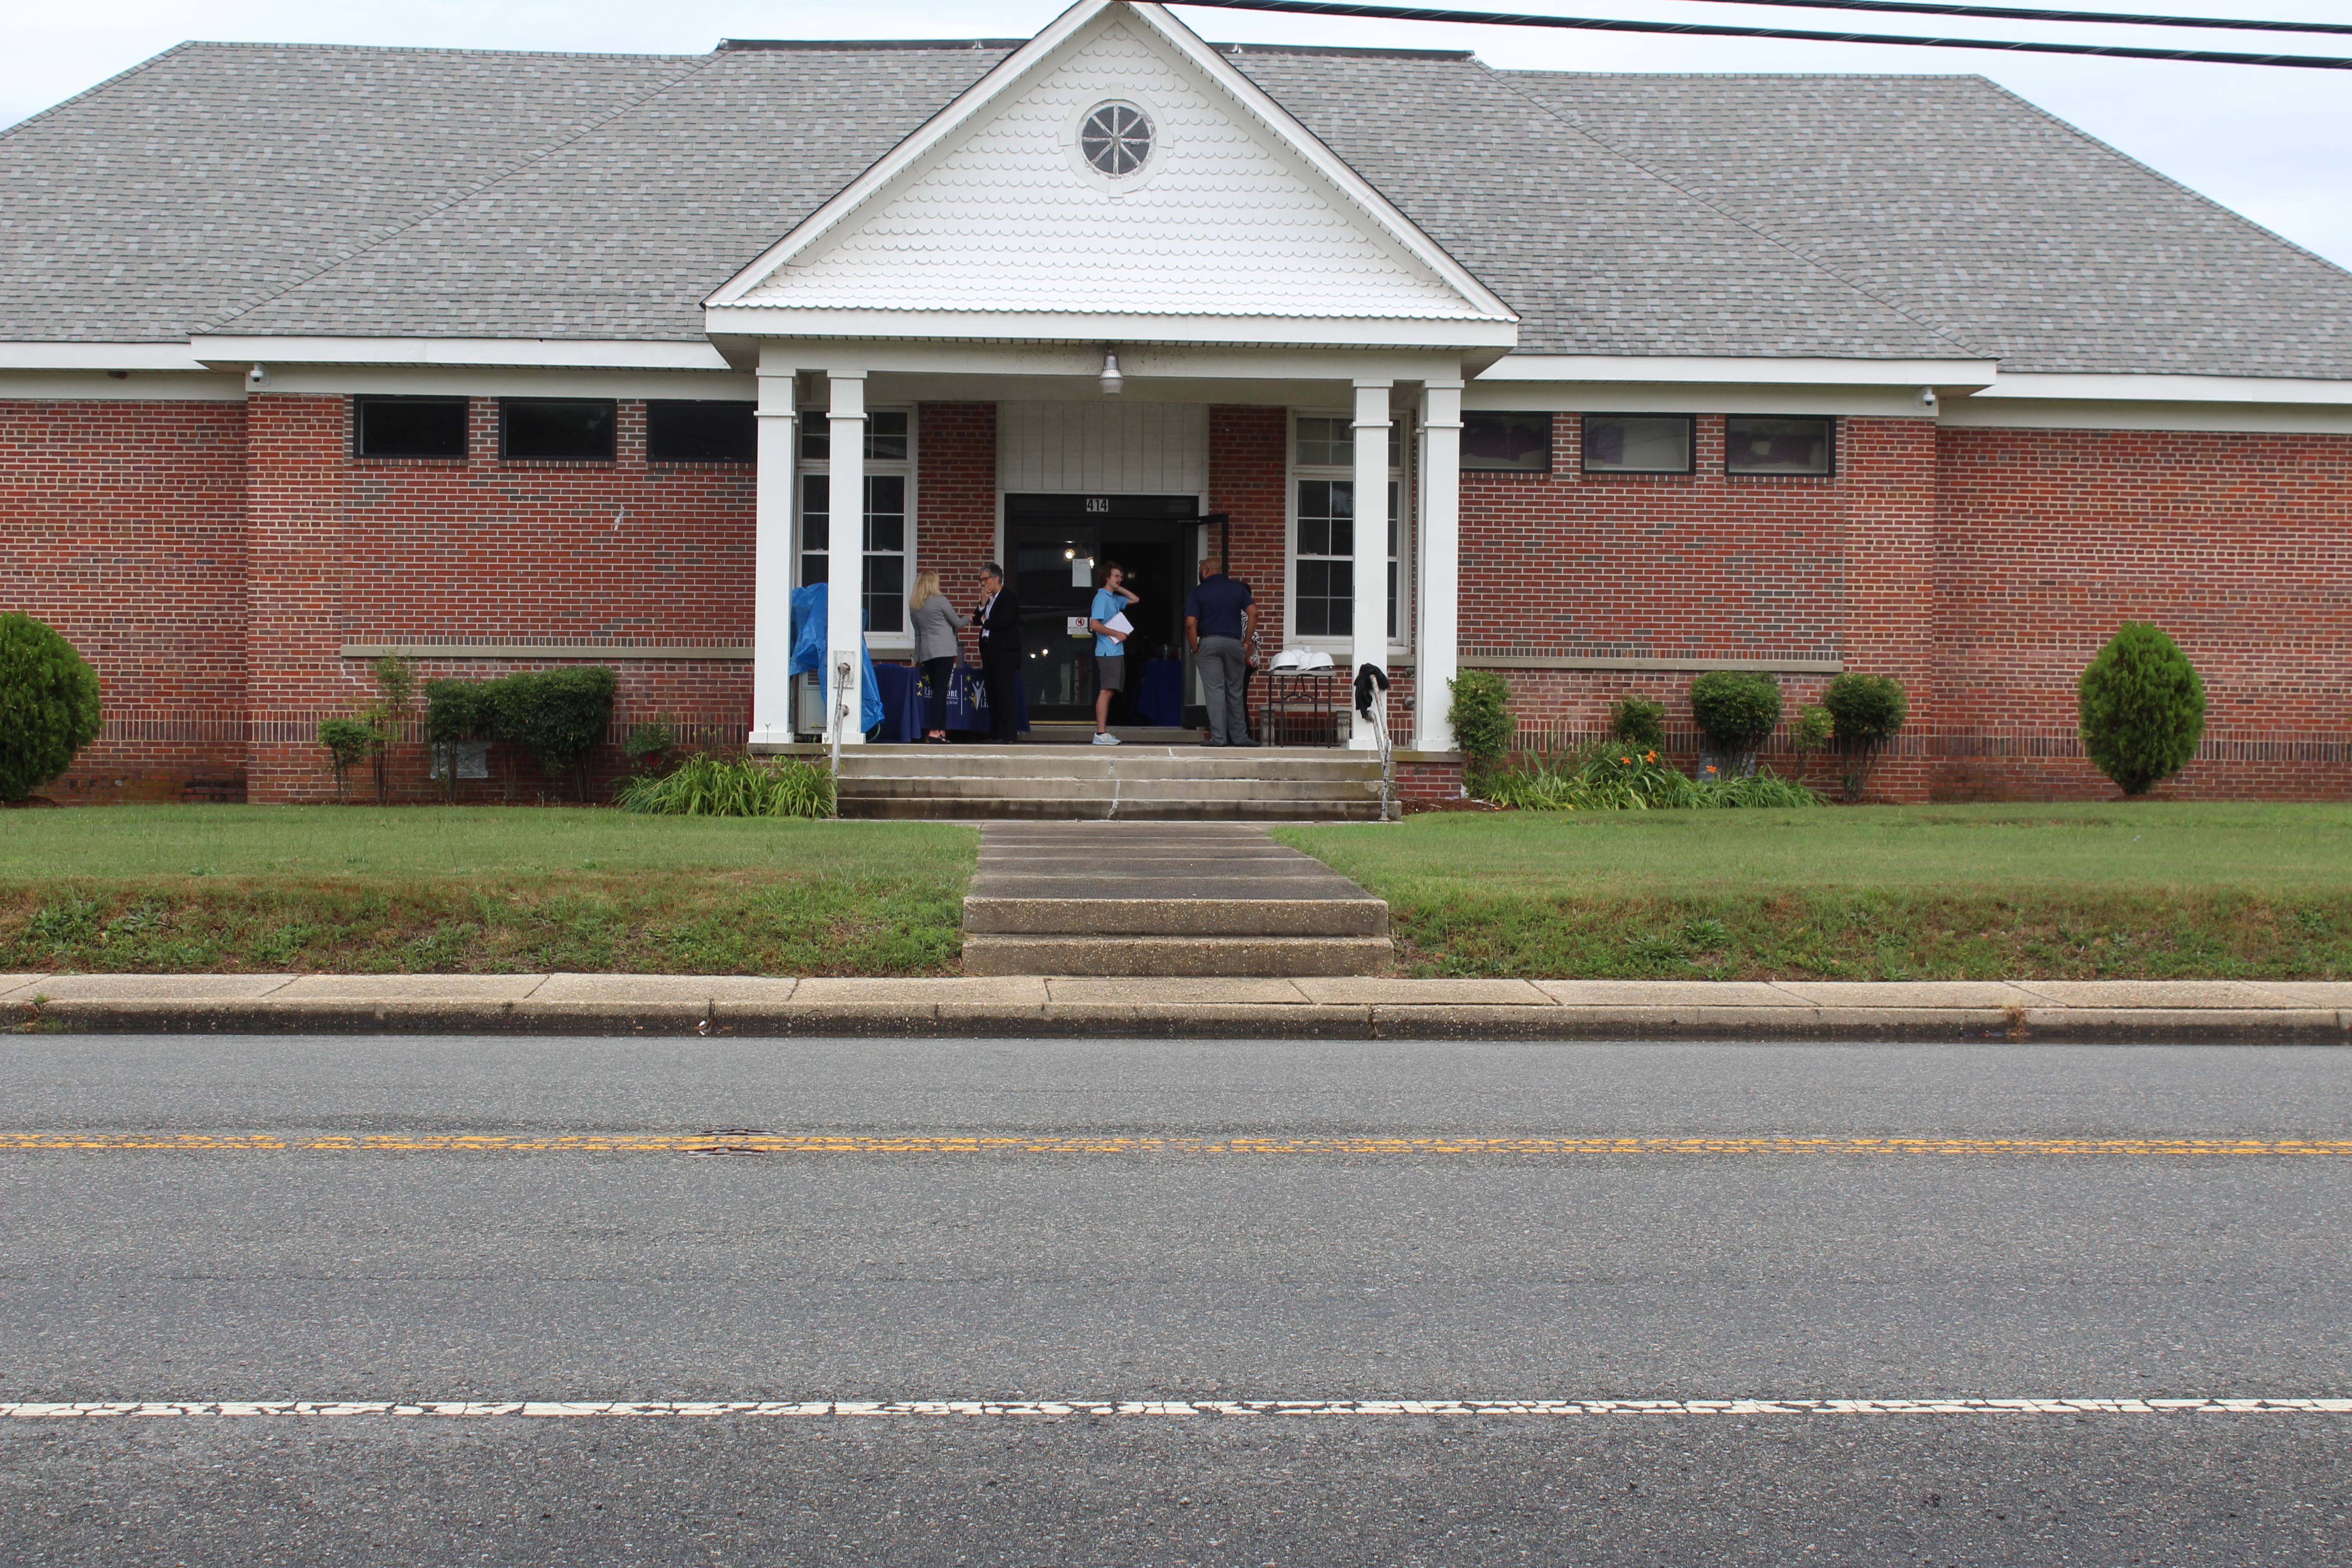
(987, 211)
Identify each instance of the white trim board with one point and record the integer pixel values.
(137, 386)
(227, 353)
(1949, 376)
(1676, 397)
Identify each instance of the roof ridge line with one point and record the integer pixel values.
(122, 75)
(2114, 151)
(698, 63)
(1799, 252)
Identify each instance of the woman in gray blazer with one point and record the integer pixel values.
(936, 625)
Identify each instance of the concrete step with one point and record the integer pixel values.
(1001, 912)
(986, 953)
(1094, 764)
(1113, 789)
(973, 808)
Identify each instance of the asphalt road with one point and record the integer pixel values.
(1165, 1258)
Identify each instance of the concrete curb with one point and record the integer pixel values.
(2299, 1012)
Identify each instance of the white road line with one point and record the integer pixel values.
(1237, 1407)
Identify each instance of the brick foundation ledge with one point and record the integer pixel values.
(2023, 1011)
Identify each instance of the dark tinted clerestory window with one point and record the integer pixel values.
(1507, 443)
(1637, 443)
(408, 426)
(567, 429)
(701, 433)
(1756, 444)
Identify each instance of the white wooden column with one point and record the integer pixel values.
(771, 558)
(844, 545)
(1370, 643)
(1437, 541)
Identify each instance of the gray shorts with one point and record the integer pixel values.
(1111, 672)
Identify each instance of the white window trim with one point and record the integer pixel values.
(897, 642)
(1402, 474)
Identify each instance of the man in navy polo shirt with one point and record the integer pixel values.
(1216, 625)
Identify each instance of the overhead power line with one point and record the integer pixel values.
(2026, 14)
(1722, 30)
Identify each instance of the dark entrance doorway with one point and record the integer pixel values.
(1054, 542)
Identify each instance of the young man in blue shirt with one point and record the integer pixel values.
(1111, 599)
(1217, 617)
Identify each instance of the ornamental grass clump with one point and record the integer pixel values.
(48, 705)
(1608, 778)
(2142, 707)
(1865, 710)
(709, 785)
(1736, 710)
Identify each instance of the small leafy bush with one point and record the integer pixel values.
(456, 712)
(2142, 708)
(1812, 729)
(559, 716)
(349, 742)
(709, 785)
(1867, 711)
(1638, 723)
(648, 742)
(48, 705)
(1481, 716)
(1736, 710)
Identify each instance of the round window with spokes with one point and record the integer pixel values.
(1116, 138)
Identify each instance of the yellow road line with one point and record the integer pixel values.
(1109, 1144)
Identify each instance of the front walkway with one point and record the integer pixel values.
(2186, 1011)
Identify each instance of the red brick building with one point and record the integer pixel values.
(506, 361)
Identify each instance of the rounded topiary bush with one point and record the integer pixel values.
(1864, 712)
(2143, 708)
(1638, 721)
(1736, 710)
(48, 705)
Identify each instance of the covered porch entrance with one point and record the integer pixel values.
(1055, 545)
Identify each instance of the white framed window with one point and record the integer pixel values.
(1324, 522)
(890, 513)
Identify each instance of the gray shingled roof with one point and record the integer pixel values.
(349, 192)
(1973, 209)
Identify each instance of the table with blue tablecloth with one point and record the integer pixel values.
(906, 695)
(1160, 696)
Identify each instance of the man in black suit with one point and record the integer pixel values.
(1000, 654)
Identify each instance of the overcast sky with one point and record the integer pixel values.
(2275, 144)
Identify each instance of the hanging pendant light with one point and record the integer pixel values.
(1111, 380)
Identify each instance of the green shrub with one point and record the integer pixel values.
(1638, 723)
(1481, 716)
(1736, 710)
(349, 742)
(707, 786)
(1812, 729)
(559, 716)
(456, 712)
(648, 742)
(1867, 711)
(48, 705)
(2143, 708)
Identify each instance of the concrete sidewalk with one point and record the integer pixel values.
(2316, 1012)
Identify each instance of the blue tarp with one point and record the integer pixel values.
(808, 650)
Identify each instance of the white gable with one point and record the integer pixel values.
(1231, 217)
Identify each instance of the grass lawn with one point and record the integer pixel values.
(2145, 889)
(186, 888)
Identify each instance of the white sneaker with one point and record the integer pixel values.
(1106, 738)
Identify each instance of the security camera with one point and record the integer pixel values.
(1927, 397)
(258, 376)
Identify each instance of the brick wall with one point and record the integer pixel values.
(2240, 546)
(122, 524)
(955, 501)
(350, 550)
